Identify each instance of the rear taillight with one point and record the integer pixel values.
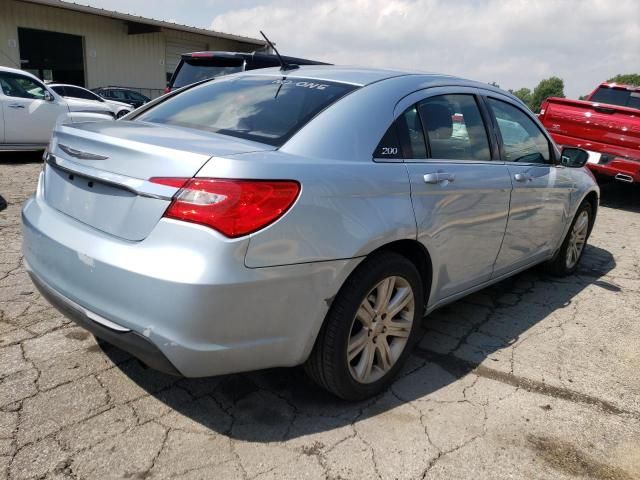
(232, 207)
(543, 109)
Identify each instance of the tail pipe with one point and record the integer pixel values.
(624, 178)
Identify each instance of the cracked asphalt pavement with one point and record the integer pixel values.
(535, 377)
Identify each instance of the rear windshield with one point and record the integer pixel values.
(263, 109)
(617, 96)
(193, 71)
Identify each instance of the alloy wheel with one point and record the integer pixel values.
(577, 239)
(380, 329)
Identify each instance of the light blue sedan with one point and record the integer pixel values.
(308, 216)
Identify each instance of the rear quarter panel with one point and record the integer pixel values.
(345, 209)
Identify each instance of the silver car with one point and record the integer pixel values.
(310, 216)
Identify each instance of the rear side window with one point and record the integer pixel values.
(404, 138)
(79, 93)
(192, 71)
(455, 129)
(389, 146)
(135, 96)
(617, 96)
(264, 109)
(522, 140)
(117, 94)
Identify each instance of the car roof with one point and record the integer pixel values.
(362, 76)
(17, 70)
(56, 84)
(621, 86)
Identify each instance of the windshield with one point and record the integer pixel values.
(264, 109)
(617, 96)
(193, 71)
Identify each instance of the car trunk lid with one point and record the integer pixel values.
(596, 122)
(98, 173)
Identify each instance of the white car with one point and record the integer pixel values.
(30, 111)
(119, 109)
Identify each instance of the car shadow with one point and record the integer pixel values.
(621, 196)
(281, 404)
(10, 158)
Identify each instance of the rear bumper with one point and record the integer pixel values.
(184, 293)
(129, 341)
(619, 168)
(616, 162)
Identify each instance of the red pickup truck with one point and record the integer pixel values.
(607, 125)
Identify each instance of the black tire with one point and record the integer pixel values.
(121, 114)
(327, 364)
(558, 264)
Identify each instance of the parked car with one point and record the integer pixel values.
(607, 124)
(119, 109)
(197, 66)
(310, 216)
(30, 110)
(124, 95)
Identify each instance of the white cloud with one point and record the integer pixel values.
(516, 43)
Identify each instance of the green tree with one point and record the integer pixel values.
(494, 84)
(549, 87)
(627, 79)
(524, 94)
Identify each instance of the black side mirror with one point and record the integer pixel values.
(574, 157)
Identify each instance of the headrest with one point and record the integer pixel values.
(438, 121)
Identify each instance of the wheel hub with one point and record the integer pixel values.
(380, 329)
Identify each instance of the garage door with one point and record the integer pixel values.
(176, 47)
(52, 55)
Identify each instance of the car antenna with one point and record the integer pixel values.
(284, 66)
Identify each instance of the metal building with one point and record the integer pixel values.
(92, 47)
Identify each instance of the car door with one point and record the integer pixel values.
(29, 115)
(460, 190)
(541, 187)
(2, 97)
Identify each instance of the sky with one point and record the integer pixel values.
(515, 43)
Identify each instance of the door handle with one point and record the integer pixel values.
(16, 105)
(522, 177)
(439, 177)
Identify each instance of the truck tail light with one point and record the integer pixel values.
(232, 207)
(543, 109)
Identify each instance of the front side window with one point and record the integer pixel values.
(522, 140)
(14, 85)
(263, 109)
(455, 129)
